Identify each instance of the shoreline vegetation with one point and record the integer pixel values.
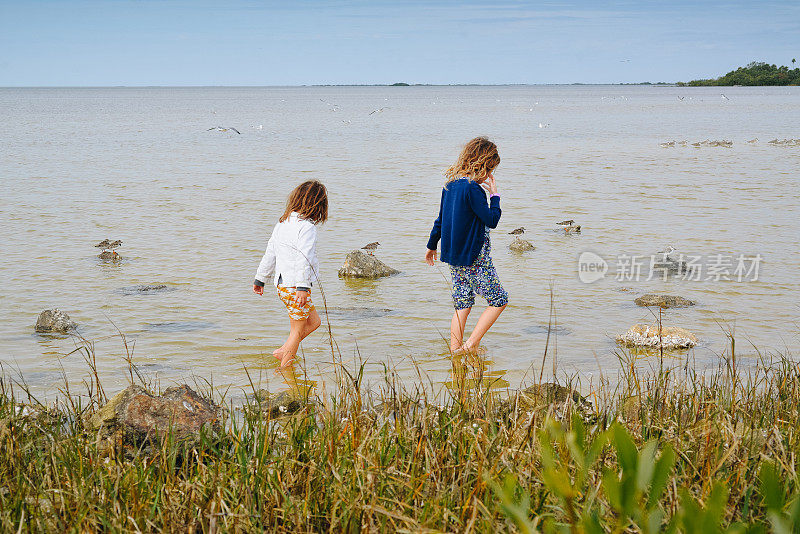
(754, 74)
(664, 450)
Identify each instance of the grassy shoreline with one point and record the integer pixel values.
(653, 452)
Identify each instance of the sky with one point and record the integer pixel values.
(245, 42)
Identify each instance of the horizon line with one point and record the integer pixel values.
(395, 85)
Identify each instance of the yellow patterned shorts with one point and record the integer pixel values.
(296, 312)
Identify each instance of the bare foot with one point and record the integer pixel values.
(466, 349)
(286, 360)
(278, 353)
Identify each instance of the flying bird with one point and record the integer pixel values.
(371, 247)
(224, 129)
(723, 96)
(517, 231)
(380, 110)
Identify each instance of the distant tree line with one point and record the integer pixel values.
(755, 73)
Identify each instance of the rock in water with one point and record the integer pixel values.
(649, 336)
(109, 255)
(521, 245)
(134, 416)
(663, 301)
(54, 321)
(360, 265)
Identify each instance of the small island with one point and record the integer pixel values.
(755, 73)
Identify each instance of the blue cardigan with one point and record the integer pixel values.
(463, 218)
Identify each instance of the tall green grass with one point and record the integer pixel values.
(668, 450)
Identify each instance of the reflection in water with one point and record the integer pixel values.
(471, 374)
(297, 381)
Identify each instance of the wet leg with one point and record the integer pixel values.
(457, 325)
(485, 321)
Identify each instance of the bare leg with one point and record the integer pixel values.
(485, 321)
(298, 330)
(312, 323)
(457, 325)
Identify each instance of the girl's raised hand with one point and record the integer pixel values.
(489, 184)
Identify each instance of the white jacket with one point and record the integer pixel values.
(291, 254)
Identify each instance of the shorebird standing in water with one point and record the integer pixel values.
(569, 226)
(371, 247)
(517, 231)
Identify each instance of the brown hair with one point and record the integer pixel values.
(478, 158)
(310, 201)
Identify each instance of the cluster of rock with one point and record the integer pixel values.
(360, 265)
(657, 337)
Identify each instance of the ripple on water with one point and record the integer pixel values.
(179, 326)
(146, 289)
(358, 313)
(542, 329)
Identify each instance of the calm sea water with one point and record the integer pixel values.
(194, 209)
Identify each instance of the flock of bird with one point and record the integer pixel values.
(568, 226)
(107, 246)
(722, 143)
(728, 144)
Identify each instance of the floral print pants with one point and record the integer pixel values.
(481, 278)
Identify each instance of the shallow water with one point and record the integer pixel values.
(194, 209)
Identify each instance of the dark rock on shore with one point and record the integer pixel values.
(277, 404)
(54, 321)
(360, 265)
(134, 416)
(663, 301)
(543, 397)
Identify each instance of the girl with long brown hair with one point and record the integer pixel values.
(291, 259)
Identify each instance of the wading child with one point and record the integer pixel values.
(291, 260)
(463, 228)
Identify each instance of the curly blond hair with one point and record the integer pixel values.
(476, 161)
